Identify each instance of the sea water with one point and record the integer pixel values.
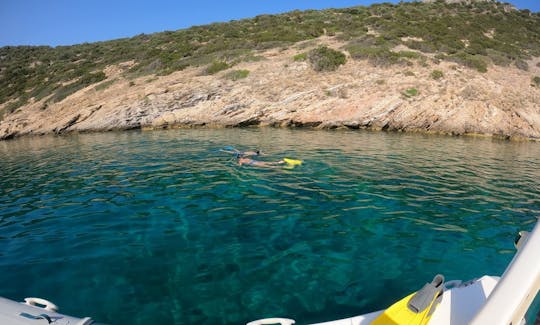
(165, 228)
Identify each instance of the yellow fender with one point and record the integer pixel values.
(415, 309)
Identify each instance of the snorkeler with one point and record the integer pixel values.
(248, 161)
(242, 158)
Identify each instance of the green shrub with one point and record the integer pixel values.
(469, 60)
(498, 58)
(379, 56)
(437, 74)
(237, 74)
(409, 73)
(300, 57)
(409, 55)
(421, 46)
(536, 81)
(91, 78)
(216, 67)
(411, 92)
(325, 59)
(522, 65)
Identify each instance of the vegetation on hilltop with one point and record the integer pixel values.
(475, 35)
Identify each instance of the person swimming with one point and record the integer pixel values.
(252, 162)
(242, 158)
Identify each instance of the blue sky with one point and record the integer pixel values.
(66, 22)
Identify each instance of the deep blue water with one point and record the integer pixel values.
(163, 228)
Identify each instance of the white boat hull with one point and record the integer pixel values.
(459, 304)
(26, 313)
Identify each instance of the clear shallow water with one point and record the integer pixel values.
(161, 228)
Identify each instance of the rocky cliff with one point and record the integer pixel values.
(280, 91)
(436, 67)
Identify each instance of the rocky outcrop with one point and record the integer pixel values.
(283, 93)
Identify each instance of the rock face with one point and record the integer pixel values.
(281, 92)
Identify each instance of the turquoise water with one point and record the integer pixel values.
(162, 228)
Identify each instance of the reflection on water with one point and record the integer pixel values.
(163, 228)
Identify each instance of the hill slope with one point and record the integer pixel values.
(451, 68)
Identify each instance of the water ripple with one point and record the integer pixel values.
(170, 222)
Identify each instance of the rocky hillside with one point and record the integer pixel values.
(457, 68)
